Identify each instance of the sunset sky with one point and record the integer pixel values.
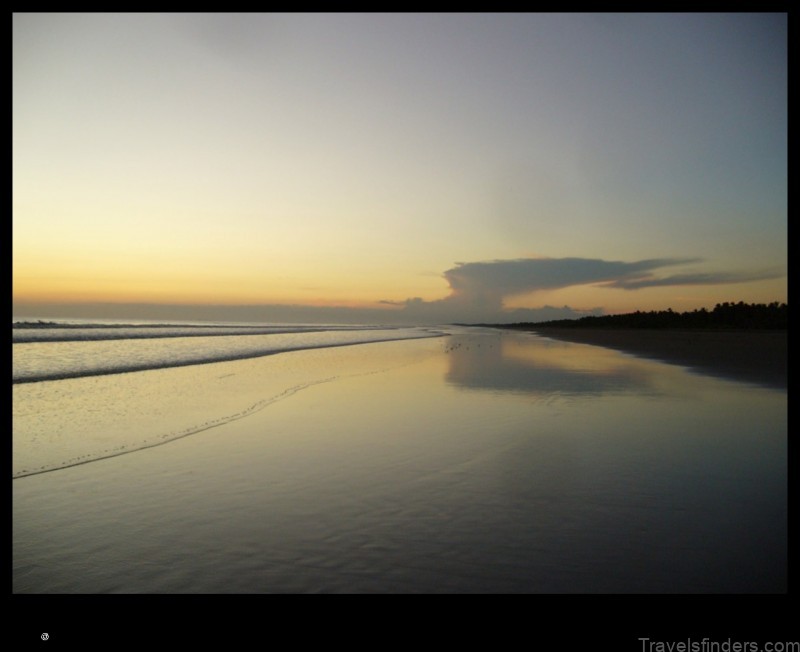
(397, 167)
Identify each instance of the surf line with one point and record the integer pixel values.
(169, 438)
(154, 366)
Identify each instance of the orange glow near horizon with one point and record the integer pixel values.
(97, 281)
(50, 275)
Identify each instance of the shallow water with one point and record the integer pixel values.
(41, 354)
(482, 462)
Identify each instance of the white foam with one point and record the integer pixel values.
(74, 353)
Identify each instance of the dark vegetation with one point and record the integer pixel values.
(724, 316)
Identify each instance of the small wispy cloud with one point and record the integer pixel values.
(718, 278)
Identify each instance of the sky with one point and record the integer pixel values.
(397, 168)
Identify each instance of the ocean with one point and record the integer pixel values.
(175, 458)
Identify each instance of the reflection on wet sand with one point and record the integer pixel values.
(486, 462)
(533, 365)
(757, 356)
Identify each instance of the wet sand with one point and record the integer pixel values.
(486, 462)
(752, 356)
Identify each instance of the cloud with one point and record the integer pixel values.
(490, 282)
(451, 309)
(478, 290)
(718, 278)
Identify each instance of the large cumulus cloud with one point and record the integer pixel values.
(479, 290)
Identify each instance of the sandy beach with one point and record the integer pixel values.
(484, 462)
(752, 356)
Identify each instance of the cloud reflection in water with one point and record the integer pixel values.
(532, 365)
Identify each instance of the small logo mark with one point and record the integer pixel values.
(45, 636)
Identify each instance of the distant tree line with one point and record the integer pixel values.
(724, 316)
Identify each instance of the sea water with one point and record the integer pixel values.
(132, 411)
(72, 351)
(484, 461)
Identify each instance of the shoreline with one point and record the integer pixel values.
(752, 356)
(490, 463)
